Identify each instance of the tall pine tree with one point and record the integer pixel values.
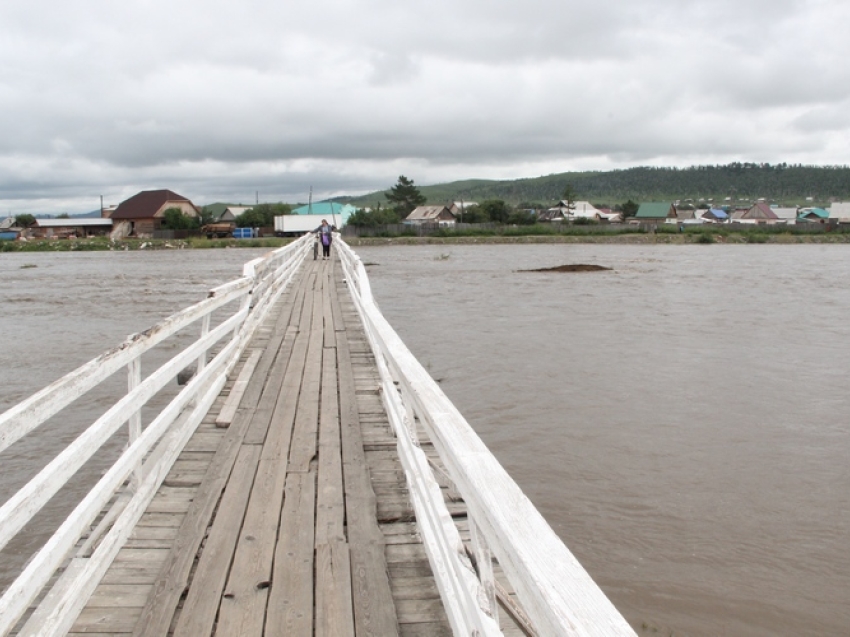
(404, 196)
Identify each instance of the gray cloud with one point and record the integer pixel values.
(220, 102)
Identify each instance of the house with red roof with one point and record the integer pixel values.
(144, 211)
(760, 212)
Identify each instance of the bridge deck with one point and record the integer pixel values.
(291, 519)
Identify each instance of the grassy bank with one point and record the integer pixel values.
(665, 234)
(669, 234)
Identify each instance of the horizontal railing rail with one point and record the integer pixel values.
(131, 482)
(556, 592)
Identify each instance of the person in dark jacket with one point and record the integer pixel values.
(325, 237)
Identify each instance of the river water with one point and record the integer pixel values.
(681, 420)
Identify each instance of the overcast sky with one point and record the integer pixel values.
(220, 100)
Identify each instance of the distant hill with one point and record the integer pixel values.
(781, 183)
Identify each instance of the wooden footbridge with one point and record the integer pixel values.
(310, 479)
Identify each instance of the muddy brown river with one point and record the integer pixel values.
(681, 419)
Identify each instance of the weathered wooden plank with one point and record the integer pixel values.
(197, 616)
(151, 537)
(203, 441)
(426, 629)
(107, 620)
(304, 438)
(374, 609)
(415, 611)
(290, 608)
(156, 617)
(330, 504)
(120, 595)
(228, 410)
(247, 586)
(334, 612)
(415, 588)
(327, 312)
(261, 417)
(408, 553)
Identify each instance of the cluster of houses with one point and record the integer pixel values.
(142, 215)
(652, 212)
(758, 213)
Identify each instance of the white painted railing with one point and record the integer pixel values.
(134, 478)
(555, 590)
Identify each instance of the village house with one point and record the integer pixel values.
(788, 215)
(229, 213)
(715, 215)
(431, 214)
(840, 210)
(760, 212)
(655, 212)
(457, 208)
(142, 213)
(813, 215)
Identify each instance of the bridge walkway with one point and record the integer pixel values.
(287, 512)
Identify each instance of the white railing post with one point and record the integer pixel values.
(134, 379)
(484, 565)
(205, 329)
(409, 416)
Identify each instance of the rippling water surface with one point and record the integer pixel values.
(681, 420)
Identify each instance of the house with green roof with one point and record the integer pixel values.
(336, 213)
(818, 215)
(655, 212)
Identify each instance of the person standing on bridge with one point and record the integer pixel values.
(325, 237)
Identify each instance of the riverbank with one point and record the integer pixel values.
(102, 245)
(702, 236)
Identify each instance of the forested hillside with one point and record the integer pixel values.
(782, 183)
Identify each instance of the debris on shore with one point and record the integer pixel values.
(570, 267)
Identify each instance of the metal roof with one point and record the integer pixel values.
(654, 210)
(427, 212)
(79, 222)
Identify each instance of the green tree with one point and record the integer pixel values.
(64, 215)
(254, 217)
(377, 217)
(206, 216)
(523, 217)
(475, 214)
(569, 198)
(262, 215)
(496, 210)
(24, 221)
(176, 219)
(629, 209)
(404, 196)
